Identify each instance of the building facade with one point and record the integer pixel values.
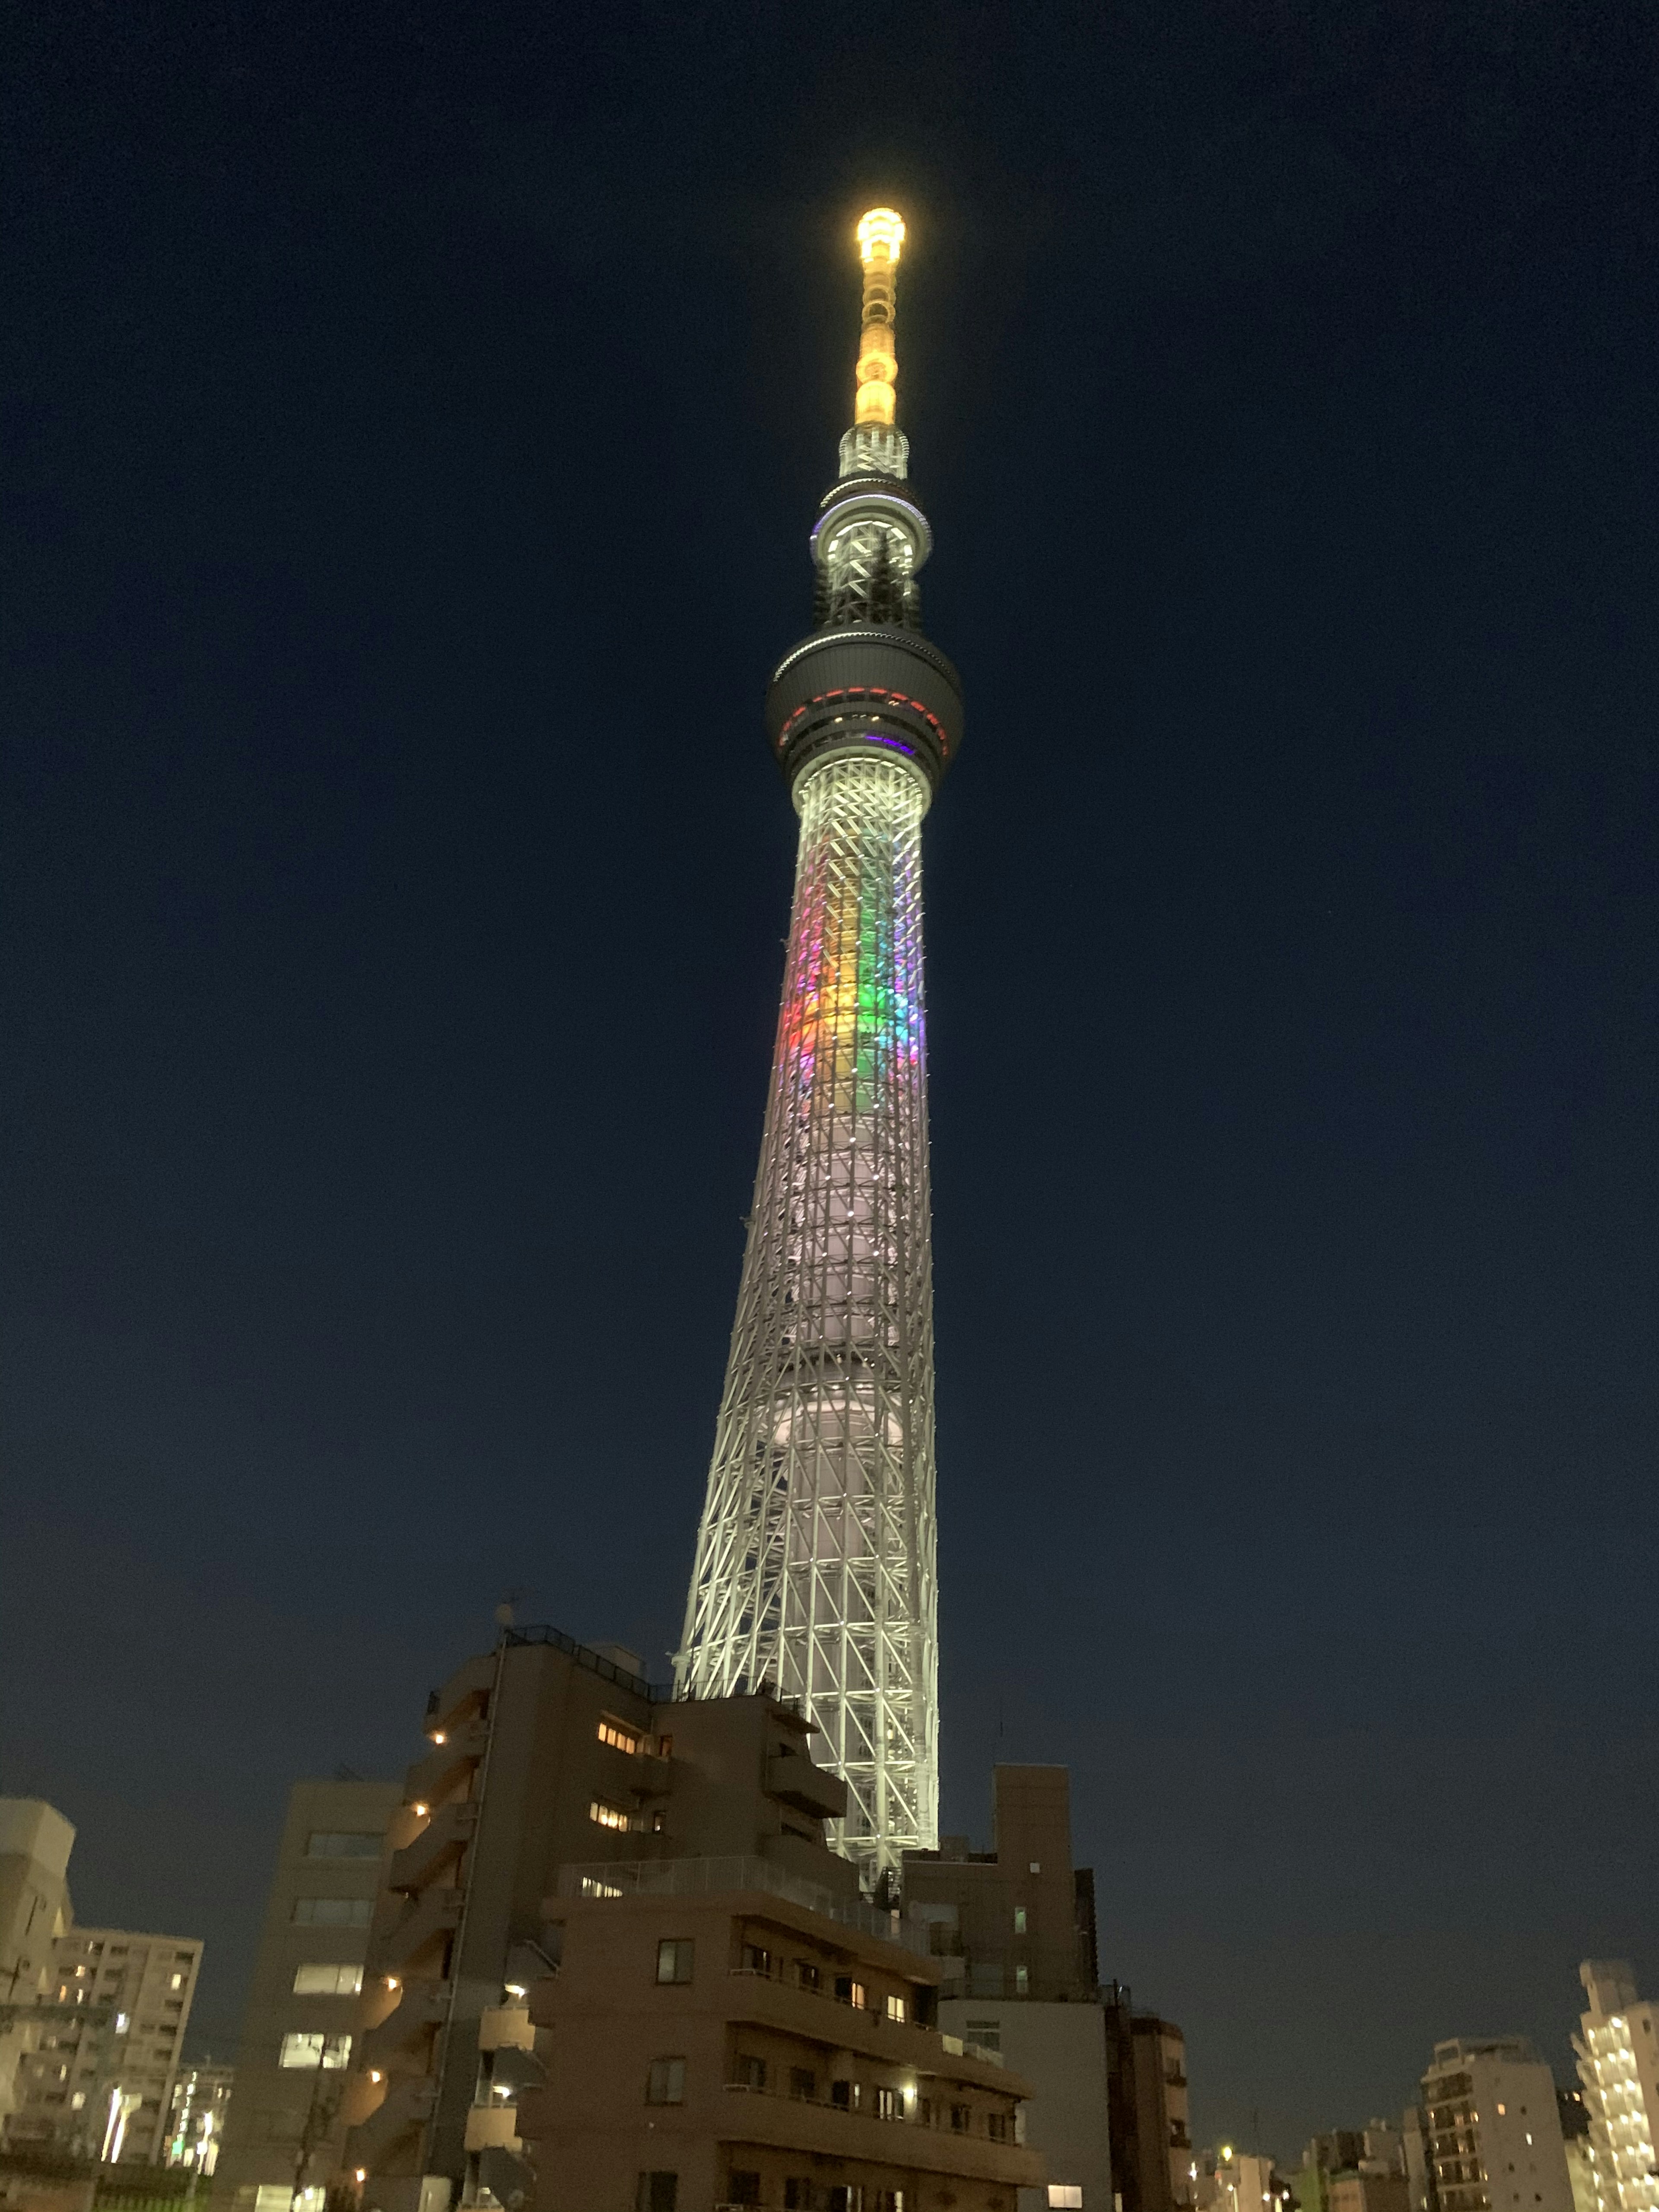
(100, 2085)
(35, 1842)
(736, 2045)
(283, 2129)
(1618, 2051)
(197, 2115)
(815, 1573)
(1494, 2132)
(556, 1778)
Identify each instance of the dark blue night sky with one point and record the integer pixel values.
(414, 417)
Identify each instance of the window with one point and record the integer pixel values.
(847, 2199)
(301, 2048)
(664, 2082)
(184, 1957)
(958, 2119)
(999, 2126)
(334, 1843)
(619, 1737)
(332, 1911)
(889, 2200)
(757, 1959)
(844, 2095)
(797, 2193)
(328, 1981)
(1036, 1866)
(177, 1982)
(1020, 1920)
(887, 2104)
(655, 2193)
(742, 2188)
(751, 2073)
(849, 1991)
(1065, 2196)
(675, 1954)
(1022, 1980)
(988, 2033)
(802, 2081)
(806, 1975)
(607, 1816)
(592, 1886)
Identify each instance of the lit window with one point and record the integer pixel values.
(177, 1982)
(850, 1991)
(1022, 1980)
(122, 2023)
(887, 2104)
(1020, 1920)
(328, 1981)
(675, 1958)
(607, 1816)
(1065, 2196)
(592, 1886)
(329, 2052)
(332, 1911)
(1036, 1866)
(620, 1738)
(896, 2009)
(664, 2082)
(333, 1844)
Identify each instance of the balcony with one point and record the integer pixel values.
(811, 2124)
(794, 1780)
(768, 2001)
(406, 2106)
(434, 1850)
(434, 1777)
(608, 1878)
(435, 1916)
(493, 2127)
(422, 2007)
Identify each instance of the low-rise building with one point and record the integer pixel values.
(1618, 2051)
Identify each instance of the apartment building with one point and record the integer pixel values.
(752, 2042)
(1494, 2131)
(100, 2085)
(1013, 1928)
(1617, 2053)
(35, 1842)
(283, 2128)
(197, 2115)
(567, 1814)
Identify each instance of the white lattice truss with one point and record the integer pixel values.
(815, 1568)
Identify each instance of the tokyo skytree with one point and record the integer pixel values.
(816, 1573)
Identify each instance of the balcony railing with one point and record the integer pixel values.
(897, 2118)
(610, 1878)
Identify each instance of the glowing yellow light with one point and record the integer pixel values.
(881, 231)
(374, 2074)
(417, 1808)
(362, 2173)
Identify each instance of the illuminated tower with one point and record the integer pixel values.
(816, 1568)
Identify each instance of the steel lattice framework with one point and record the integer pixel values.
(816, 1572)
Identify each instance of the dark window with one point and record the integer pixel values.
(756, 1958)
(742, 2188)
(844, 2199)
(999, 2126)
(845, 2094)
(803, 2082)
(331, 1844)
(656, 2192)
(796, 2194)
(665, 2083)
(959, 2119)
(751, 2073)
(675, 1955)
(806, 1974)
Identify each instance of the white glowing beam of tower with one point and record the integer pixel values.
(816, 1571)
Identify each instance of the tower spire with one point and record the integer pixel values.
(816, 1574)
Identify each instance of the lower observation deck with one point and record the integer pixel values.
(871, 688)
